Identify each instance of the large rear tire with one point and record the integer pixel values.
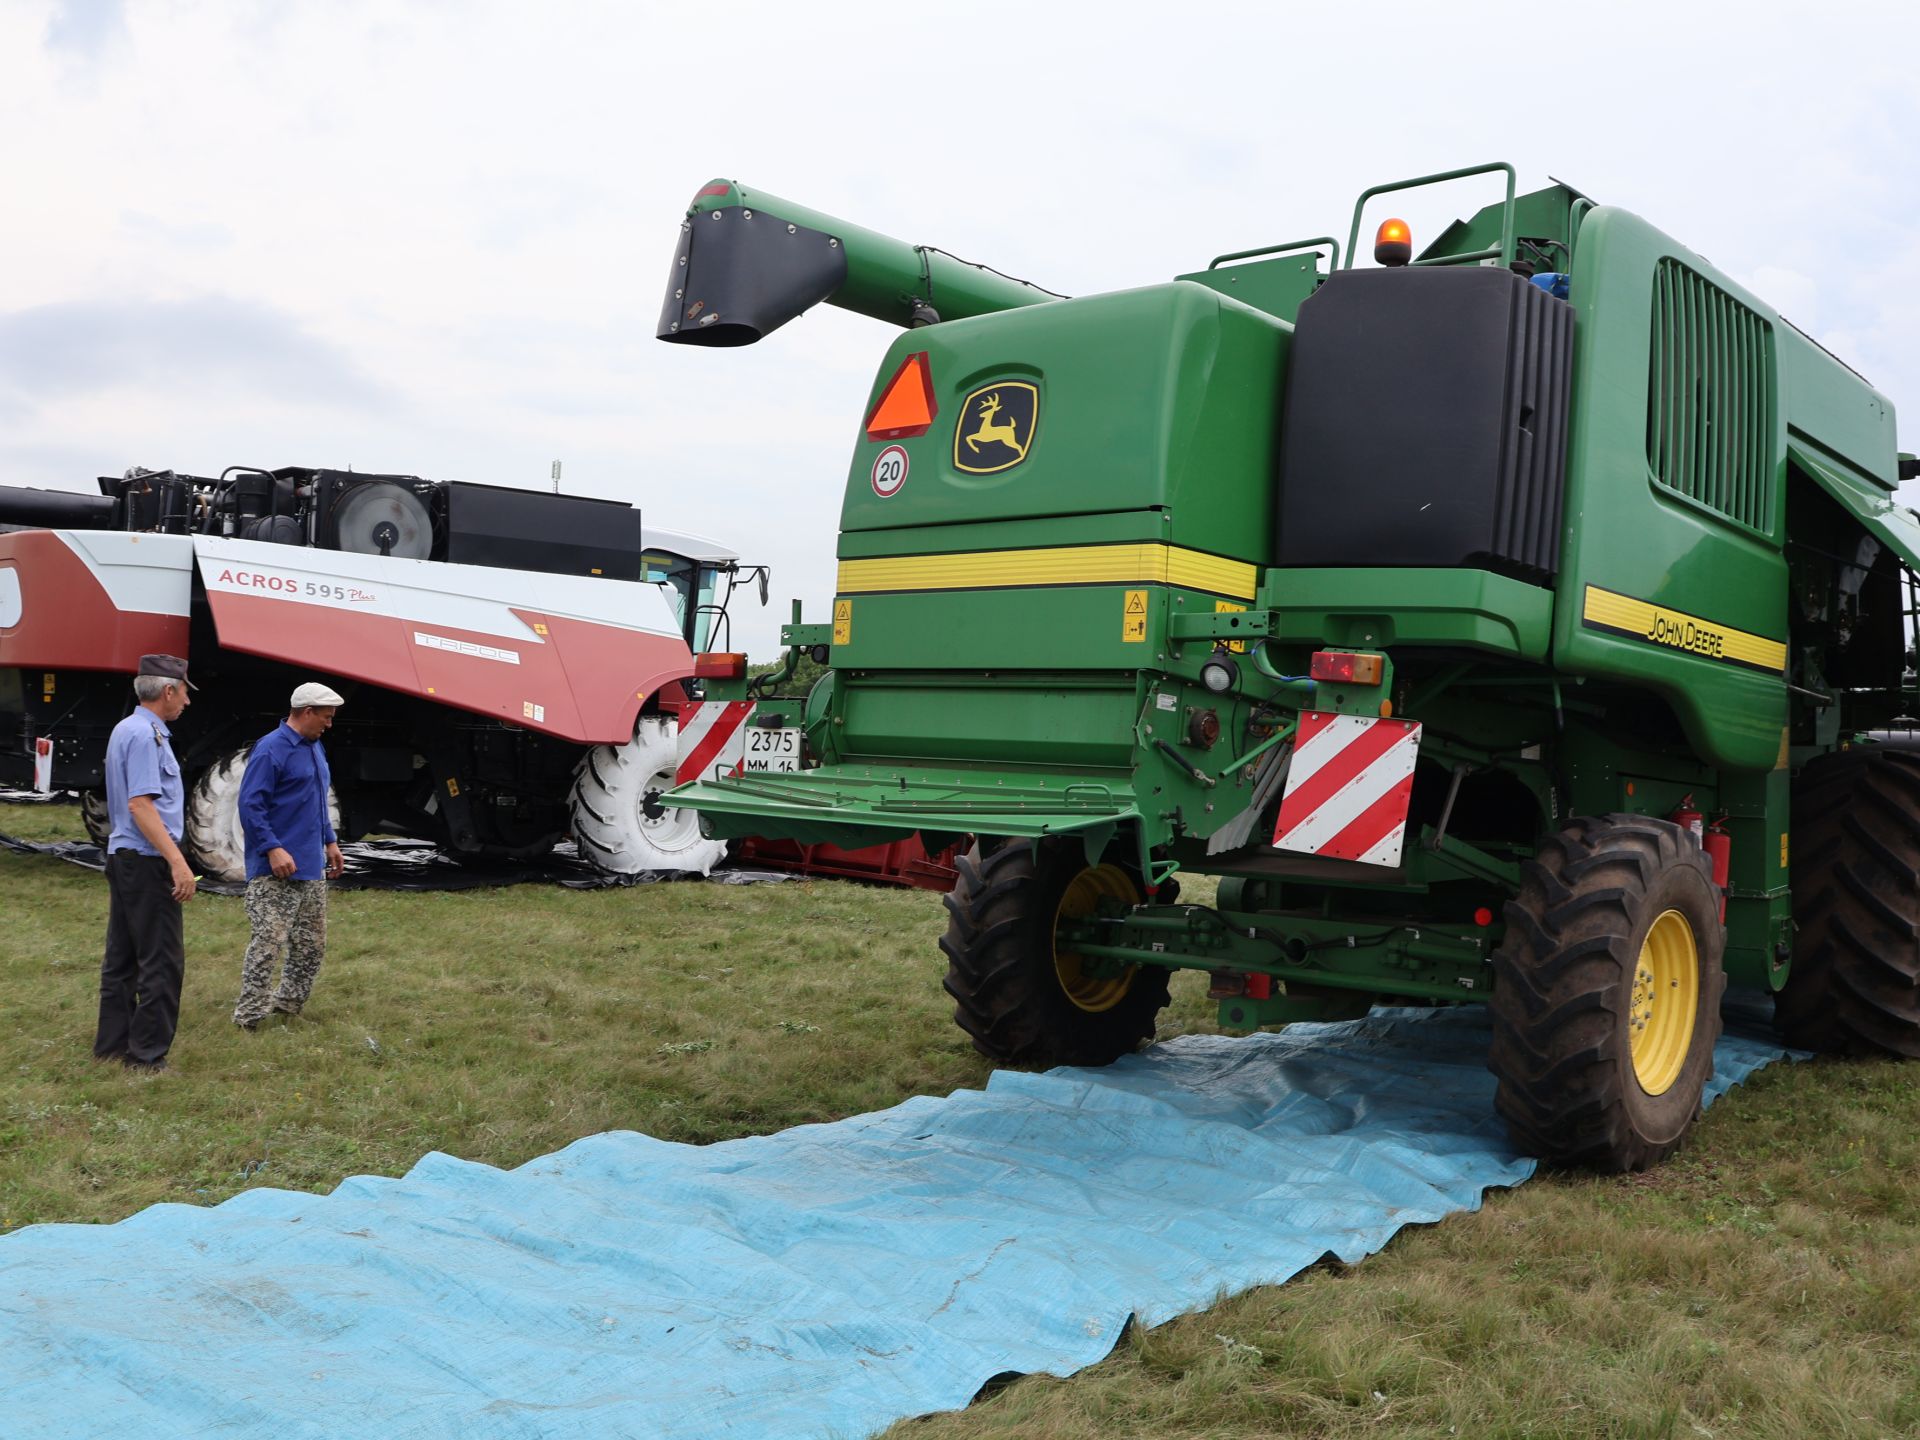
(1021, 998)
(1606, 1000)
(214, 841)
(1855, 984)
(94, 817)
(618, 821)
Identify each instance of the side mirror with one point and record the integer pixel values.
(763, 586)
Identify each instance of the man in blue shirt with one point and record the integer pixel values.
(291, 854)
(148, 879)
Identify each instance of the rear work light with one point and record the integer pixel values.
(1219, 674)
(1345, 667)
(719, 665)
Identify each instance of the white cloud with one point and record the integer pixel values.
(432, 238)
(84, 29)
(175, 348)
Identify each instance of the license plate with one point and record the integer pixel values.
(774, 751)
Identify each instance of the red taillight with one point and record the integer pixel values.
(1483, 917)
(1345, 668)
(719, 665)
(718, 187)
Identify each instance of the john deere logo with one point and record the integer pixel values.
(995, 429)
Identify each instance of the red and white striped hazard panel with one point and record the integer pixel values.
(1348, 788)
(713, 738)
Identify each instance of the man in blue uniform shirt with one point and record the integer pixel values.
(148, 879)
(291, 854)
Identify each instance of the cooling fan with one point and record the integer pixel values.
(381, 518)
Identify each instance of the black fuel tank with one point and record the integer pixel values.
(1425, 422)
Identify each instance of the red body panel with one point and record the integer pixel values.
(449, 634)
(586, 682)
(903, 862)
(68, 621)
(611, 670)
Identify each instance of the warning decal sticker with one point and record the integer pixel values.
(1222, 607)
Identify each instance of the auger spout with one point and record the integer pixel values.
(55, 509)
(748, 262)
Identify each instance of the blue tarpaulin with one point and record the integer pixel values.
(824, 1281)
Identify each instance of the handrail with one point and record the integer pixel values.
(1220, 260)
(1505, 251)
(1575, 215)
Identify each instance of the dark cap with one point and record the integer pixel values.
(167, 667)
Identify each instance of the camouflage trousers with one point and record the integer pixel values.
(290, 917)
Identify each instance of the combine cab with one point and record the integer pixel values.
(1504, 623)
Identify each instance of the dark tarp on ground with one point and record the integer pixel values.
(395, 864)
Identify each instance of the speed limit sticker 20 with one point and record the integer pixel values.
(889, 471)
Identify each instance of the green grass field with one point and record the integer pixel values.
(1766, 1283)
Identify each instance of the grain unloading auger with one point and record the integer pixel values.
(1500, 625)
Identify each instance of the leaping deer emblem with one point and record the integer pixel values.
(1005, 431)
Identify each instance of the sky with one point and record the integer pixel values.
(432, 238)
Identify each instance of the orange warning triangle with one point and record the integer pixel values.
(906, 406)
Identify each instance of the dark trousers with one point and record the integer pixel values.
(146, 960)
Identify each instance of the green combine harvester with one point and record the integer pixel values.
(1526, 621)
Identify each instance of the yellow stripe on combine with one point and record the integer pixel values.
(1678, 630)
(1142, 564)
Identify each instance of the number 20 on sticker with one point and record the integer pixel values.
(889, 472)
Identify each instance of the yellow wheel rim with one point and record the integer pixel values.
(1666, 1001)
(1092, 993)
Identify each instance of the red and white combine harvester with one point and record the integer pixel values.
(518, 665)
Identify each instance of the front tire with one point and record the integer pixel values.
(1606, 1000)
(1021, 998)
(1855, 984)
(618, 821)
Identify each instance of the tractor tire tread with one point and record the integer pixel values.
(94, 818)
(1854, 988)
(1006, 996)
(606, 808)
(1563, 977)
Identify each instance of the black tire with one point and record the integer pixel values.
(94, 817)
(1573, 988)
(1854, 988)
(1011, 991)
